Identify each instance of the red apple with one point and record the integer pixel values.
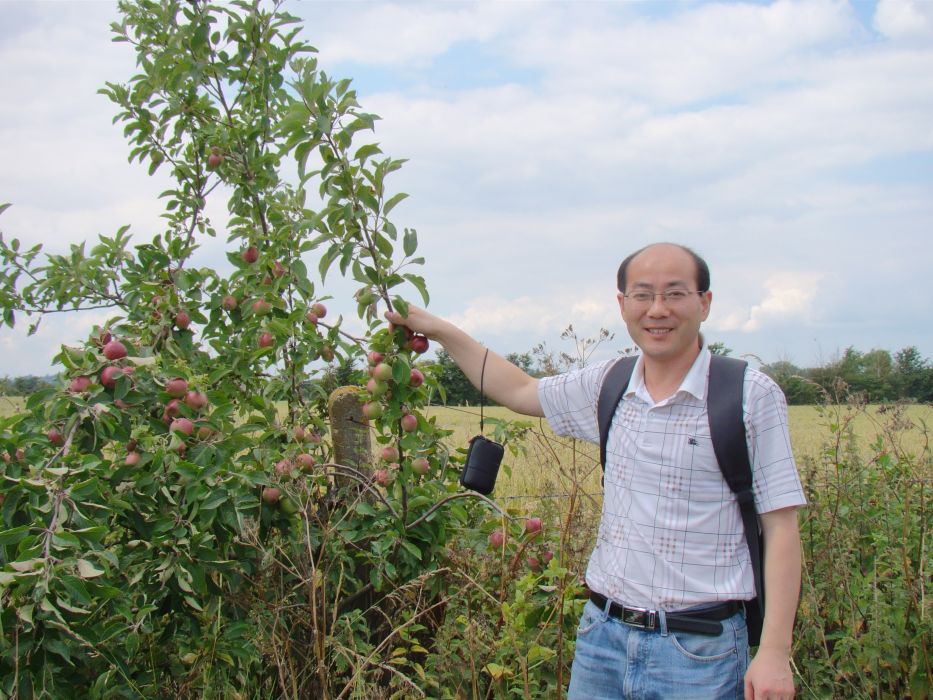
(79, 385)
(55, 437)
(172, 409)
(327, 353)
(372, 410)
(383, 477)
(132, 459)
(314, 437)
(266, 339)
(382, 372)
(278, 269)
(214, 160)
(283, 467)
(176, 388)
(195, 400)
(205, 432)
(415, 379)
(114, 350)
(409, 423)
(298, 433)
(534, 564)
(251, 254)
(182, 425)
(390, 453)
(420, 465)
(496, 539)
(375, 357)
(319, 310)
(305, 462)
(312, 318)
(419, 344)
(533, 525)
(376, 388)
(109, 376)
(182, 320)
(261, 307)
(271, 495)
(229, 302)
(547, 556)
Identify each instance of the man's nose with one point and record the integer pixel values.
(658, 307)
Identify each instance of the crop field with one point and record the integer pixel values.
(812, 432)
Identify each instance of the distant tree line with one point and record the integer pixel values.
(24, 386)
(877, 374)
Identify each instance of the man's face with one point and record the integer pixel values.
(664, 330)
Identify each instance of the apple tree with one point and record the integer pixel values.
(173, 521)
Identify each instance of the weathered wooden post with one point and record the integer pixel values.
(349, 431)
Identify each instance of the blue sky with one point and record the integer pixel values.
(790, 143)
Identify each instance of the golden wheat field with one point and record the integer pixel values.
(547, 458)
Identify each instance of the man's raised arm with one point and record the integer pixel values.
(502, 381)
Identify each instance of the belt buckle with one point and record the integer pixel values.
(640, 617)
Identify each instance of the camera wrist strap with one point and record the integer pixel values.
(482, 374)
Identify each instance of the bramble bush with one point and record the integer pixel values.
(864, 627)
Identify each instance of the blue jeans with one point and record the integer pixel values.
(614, 660)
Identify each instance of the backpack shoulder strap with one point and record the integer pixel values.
(727, 422)
(610, 393)
(727, 429)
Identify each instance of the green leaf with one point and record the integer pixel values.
(392, 201)
(364, 152)
(410, 241)
(4, 207)
(25, 613)
(412, 549)
(418, 282)
(87, 570)
(401, 370)
(13, 535)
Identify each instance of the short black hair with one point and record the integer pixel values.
(702, 267)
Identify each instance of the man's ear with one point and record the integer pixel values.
(706, 299)
(620, 297)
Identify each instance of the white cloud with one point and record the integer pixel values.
(905, 19)
(396, 34)
(787, 295)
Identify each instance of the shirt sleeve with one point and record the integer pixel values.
(775, 481)
(569, 401)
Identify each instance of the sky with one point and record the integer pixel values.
(790, 143)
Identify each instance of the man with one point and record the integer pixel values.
(670, 538)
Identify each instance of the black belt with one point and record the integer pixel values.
(705, 621)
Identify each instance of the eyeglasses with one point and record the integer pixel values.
(671, 297)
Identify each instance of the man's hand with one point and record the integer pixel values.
(502, 381)
(769, 676)
(420, 321)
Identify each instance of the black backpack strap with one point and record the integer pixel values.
(610, 393)
(727, 429)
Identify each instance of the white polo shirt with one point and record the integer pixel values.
(671, 534)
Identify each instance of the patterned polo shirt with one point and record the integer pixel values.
(671, 534)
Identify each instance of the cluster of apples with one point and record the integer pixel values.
(300, 461)
(533, 526)
(261, 307)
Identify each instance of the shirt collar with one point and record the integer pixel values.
(694, 382)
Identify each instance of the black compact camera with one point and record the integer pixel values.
(482, 465)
